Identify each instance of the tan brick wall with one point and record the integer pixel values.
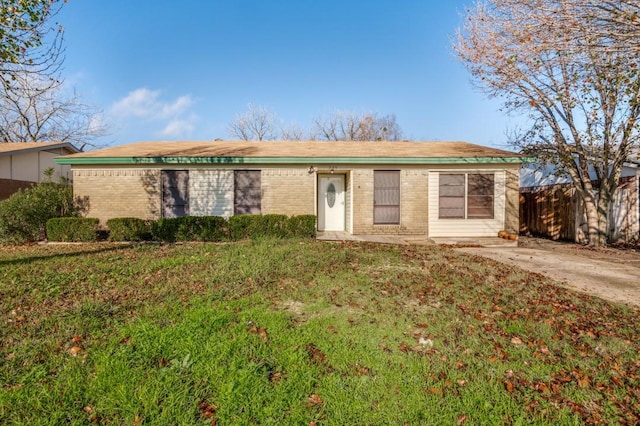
(119, 192)
(413, 203)
(512, 200)
(348, 203)
(288, 191)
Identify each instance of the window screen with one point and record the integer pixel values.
(466, 196)
(175, 193)
(247, 192)
(480, 196)
(451, 196)
(386, 197)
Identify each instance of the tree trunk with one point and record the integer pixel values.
(596, 208)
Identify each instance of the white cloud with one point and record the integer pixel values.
(177, 128)
(170, 117)
(177, 107)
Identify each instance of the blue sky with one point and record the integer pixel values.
(182, 70)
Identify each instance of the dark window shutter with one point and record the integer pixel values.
(247, 192)
(175, 193)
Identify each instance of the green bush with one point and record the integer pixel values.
(72, 229)
(202, 228)
(240, 226)
(270, 225)
(303, 226)
(129, 229)
(258, 226)
(191, 228)
(165, 229)
(24, 215)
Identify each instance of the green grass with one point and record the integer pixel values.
(303, 332)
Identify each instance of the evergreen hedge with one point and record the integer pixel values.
(129, 229)
(72, 229)
(191, 228)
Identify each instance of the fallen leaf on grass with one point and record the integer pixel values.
(75, 350)
(207, 410)
(508, 385)
(462, 418)
(259, 331)
(314, 400)
(361, 370)
(275, 377)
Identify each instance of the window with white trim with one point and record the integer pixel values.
(466, 196)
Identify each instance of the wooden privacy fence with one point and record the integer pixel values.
(549, 212)
(8, 187)
(556, 212)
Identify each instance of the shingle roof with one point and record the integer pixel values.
(285, 152)
(11, 148)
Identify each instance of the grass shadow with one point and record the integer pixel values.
(107, 247)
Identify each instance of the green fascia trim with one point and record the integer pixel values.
(293, 160)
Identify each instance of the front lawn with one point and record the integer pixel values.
(303, 332)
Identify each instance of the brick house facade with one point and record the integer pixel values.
(356, 187)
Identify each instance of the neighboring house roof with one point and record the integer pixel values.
(271, 152)
(13, 148)
(535, 174)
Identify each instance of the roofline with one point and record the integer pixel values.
(292, 160)
(43, 147)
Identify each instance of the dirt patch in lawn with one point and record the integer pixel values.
(610, 273)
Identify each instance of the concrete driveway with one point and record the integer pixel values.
(608, 273)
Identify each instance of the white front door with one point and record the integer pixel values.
(331, 202)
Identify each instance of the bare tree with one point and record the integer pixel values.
(260, 123)
(568, 66)
(292, 132)
(29, 41)
(350, 126)
(257, 124)
(37, 109)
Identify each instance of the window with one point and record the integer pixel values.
(175, 193)
(466, 196)
(247, 192)
(386, 197)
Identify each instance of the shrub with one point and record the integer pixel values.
(72, 229)
(270, 225)
(202, 228)
(240, 226)
(191, 228)
(303, 226)
(24, 215)
(129, 229)
(257, 226)
(165, 229)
